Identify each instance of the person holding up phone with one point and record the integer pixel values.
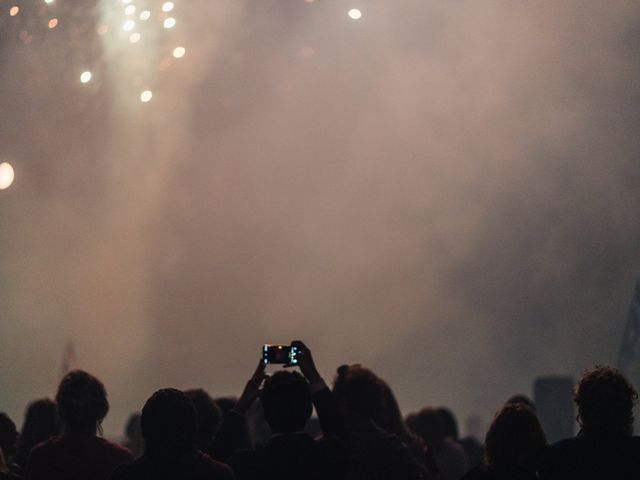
(287, 398)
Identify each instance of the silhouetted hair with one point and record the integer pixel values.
(168, 423)
(360, 392)
(605, 400)
(82, 401)
(429, 425)
(515, 439)
(8, 435)
(41, 422)
(286, 402)
(390, 419)
(209, 415)
(450, 423)
(521, 398)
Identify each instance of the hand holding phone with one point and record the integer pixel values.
(305, 362)
(282, 354)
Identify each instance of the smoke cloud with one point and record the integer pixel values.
(446, 192)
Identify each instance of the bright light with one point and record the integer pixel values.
(145, 15)
(13, 11)
(179, 52)
(146, 96)
(6, 175)
(169, 22)
(128, 25)
(130, 10)
(53, 22)
(354, 13)
(85, 77)
(167, 6)
(49, 1)
(134, 37)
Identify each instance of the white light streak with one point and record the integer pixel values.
(130, 10)
(169, 22)
(146, 96)
(179, 52)
(354, 14)
(167, 6)
(128, 25)
(85, 77)
(145, 15)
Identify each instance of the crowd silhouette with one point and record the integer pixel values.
(358, 433)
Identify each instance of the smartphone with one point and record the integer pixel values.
(285, 354)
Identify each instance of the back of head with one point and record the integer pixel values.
(209, 415)
(8, 435)
(429, 425)
(82, 401)
(286, 402)
(41, 422)
(605, 400)
(391, 417)
(521, 398)
(168, 423)
(450, 423)
(360, 393)
(515, 439)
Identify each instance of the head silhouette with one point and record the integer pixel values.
(605, 400)
(209, 415)
(8, 436)
(361, 393)
(514, 440)
(429, 424)
(450, 423)
(286, 401)
(41, 422)
(82, 402)
(521, 398)
(168, 423)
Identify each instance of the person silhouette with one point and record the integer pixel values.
(287, 399)
(169, 427)
(79, 453)
(604, 447)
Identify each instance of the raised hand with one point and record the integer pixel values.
(251, 389)
(305, 362)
